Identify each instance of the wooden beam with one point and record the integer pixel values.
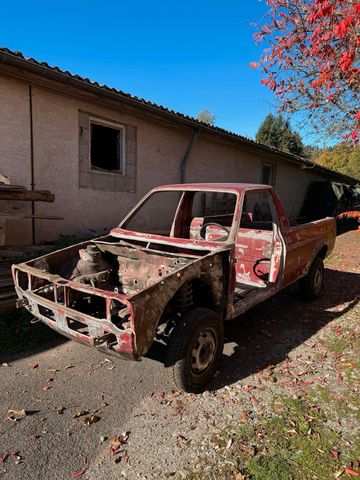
(27, 195)
(9, 216)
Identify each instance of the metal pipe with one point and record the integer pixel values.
(32, 169)
(193, 139)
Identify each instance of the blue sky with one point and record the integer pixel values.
(186, 55)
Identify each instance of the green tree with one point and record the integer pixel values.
(275, 131)
(311, 151)
(206, 116)
(343, 157)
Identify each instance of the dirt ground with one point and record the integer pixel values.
(284, 404)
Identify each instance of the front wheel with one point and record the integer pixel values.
(195, 349)
(311, 285)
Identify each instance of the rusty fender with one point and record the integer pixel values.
(148, 306)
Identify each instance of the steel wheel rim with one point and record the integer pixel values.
(203, 352)
(318, 279)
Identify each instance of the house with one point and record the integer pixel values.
(99, 150)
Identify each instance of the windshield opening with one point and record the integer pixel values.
(194, 215)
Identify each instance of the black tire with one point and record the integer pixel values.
(311, 285)
(192, 363)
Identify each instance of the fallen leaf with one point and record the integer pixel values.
(94, 418)
(239, 476)
(229, 443)
(117, 442)
(351, 472)
(160, 394)
(79, 473)
(34, 437)
(69, 366)
(254, 400)
(338, 473)
(5, 364)
(60, 410)
(248, 388)
(46, 388)
(4, 457)
(35, 365)
(334, 453)
(11, 418)
(17, 458)
(81, 413)
(243, 416)
(103, 438)
(248, 449)
(340, 377)
(17, 413)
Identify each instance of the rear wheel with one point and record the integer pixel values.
(195, 349)
(311, 285)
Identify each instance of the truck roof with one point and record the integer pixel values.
(222, 187)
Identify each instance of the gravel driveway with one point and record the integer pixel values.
(92, 417)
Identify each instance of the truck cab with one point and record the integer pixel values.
(184, 260)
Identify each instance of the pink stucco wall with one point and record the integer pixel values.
(159, 152)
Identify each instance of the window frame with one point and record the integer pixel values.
(273, 209)
(107, 180)
(115, 126)
(272, 174)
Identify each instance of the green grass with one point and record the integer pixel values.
(292, 442)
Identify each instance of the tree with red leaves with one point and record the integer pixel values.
(312, 59)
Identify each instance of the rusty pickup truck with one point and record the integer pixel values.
(184, 260)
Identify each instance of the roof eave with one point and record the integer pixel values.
(53, 73)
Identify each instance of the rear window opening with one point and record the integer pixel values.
(78, 326)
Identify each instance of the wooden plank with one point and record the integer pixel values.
(11, 188)
(9, 216)
(27, 195)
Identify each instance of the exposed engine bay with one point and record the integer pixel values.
(110, 265)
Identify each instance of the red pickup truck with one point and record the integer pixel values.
(184, 260)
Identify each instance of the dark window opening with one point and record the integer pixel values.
(257, 211)
(106, 148)
(267, 174)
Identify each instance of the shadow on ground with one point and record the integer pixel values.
(20, 338)
(269, 332)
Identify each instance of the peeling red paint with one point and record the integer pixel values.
(114, 292)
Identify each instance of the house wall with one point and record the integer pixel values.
(160, 149)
